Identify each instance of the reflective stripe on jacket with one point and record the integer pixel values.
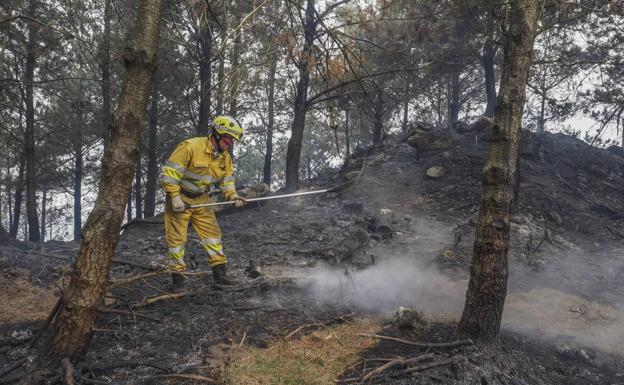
(194, 167)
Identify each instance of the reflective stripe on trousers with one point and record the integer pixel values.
(205, 225)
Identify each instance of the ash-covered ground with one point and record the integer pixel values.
(397, 237)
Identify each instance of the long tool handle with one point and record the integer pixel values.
(261, 198)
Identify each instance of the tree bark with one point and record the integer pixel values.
(44, 198)
(106, 80)
(454, 98)
(293, 153)
(268, 155)
(487, 287)
(347, 139)
(76, 318)
(29, 135)
(152, 153)
(489, 57)
(205, 42)
(19, 189)
(378, 120)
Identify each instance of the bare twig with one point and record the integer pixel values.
(193, 377)
(434, 364)
(129, 313)
(421, 344)
(318, 324)
(396, 361)
(150, 300)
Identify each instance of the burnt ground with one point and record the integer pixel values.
(396, 238)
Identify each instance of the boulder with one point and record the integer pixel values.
(430, 140)
(435, 172)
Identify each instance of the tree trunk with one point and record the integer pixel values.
(489, 57)
(19, 190)
(487, 287)
(268, 155)
(220, 82)
(29, 134)
(138, 206)
(406, 92)
(44, 198)
(152, 153)
(347, 140)
(293, 153)
(378, 120)
(76, 318)
(205, 43)
(77, 183)
(106, 80)
(454, 98)
(129, 207)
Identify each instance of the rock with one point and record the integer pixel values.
(435, 172)
(419, 126)
(408, 318)
(429, 141)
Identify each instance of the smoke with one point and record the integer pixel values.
(396, 281)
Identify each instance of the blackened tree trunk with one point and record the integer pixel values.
(268, 155)
(489, 57)
(152, 153)
(78, 168)
(487, 287)
(454, 102)
(19, 190)
(347, 140)
(44, 209)
(378, 120)
(293, 153)
(29, 134)
(406, 93)
(205, 42)
(81, 300)
(129, 207)
(106, 77)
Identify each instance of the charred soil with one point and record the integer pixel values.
(401, 236)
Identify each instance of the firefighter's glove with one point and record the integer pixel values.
(177, 204)
(239, 201)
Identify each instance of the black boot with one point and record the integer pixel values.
(219, 275)
(178, 282)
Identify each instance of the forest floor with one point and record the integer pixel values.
(325, 276)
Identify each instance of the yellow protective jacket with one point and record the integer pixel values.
(196, 168)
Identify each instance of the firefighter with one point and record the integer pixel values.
(197, 169)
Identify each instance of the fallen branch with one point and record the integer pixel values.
(150, 300)
(421, 344)
(193, 377)
(139, 277)
(128, 313)
(434, 365)
(396, 361)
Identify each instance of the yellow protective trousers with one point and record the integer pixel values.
(205, 225)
